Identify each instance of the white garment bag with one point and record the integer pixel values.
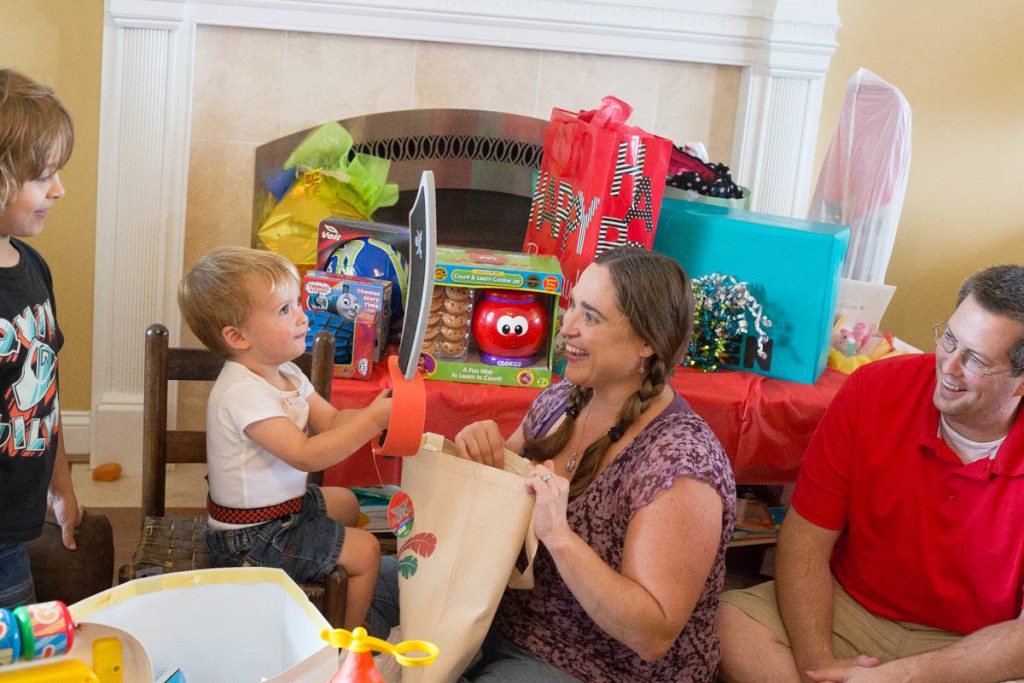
(863, 178)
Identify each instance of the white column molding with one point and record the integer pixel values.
(780, 107)
(75, 426)
(776, 133)
(140, 226)
(148, 59)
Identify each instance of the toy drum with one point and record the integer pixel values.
(46, 629)
(10, 638)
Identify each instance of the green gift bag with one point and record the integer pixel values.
(327, 183)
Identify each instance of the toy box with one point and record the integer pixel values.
(333, 256)
(356, 311)
(793, 268)
(492, 318)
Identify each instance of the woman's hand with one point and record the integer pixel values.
(550, 520)
(482, 442)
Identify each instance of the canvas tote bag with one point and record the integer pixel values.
(469, 524)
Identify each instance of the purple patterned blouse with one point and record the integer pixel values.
(549, 622)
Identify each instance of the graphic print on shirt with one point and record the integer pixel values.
(28, 407)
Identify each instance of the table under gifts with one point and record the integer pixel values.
(764, 424)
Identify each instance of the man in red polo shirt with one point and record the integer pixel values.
(902, 558)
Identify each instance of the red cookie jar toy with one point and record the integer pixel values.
(509, 327)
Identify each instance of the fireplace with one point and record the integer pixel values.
(191, 88)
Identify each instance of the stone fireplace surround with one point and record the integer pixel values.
(782, 48)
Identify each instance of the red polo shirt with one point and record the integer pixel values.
(926, 539)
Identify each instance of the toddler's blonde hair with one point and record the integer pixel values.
(223, 287)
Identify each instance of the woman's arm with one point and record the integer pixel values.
(669, 549)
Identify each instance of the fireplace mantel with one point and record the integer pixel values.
(783, 47)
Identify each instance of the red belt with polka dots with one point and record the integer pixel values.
(252, 515)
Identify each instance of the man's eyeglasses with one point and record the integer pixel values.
(970, 360)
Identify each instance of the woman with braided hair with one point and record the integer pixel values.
(635, 498)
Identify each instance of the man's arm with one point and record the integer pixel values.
(804, 587)
(994, 653)
(60, 496)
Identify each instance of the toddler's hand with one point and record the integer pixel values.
(381, 408)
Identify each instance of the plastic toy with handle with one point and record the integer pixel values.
(115, 659)
(408, 395)
(358, 666)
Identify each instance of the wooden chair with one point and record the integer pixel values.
(172, 543)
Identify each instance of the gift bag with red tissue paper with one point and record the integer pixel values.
(600, 186)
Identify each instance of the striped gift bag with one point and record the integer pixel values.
(600, 186)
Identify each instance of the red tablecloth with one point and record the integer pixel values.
(764, 424)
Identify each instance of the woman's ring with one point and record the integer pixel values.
(546, 476)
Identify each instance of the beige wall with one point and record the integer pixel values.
(58, 42)
(959, 66)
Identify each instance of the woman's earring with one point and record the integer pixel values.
(643, 368)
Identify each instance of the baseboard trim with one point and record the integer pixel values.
(116, 431)
(77, 432)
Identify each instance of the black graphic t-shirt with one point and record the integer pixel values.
(29, 410)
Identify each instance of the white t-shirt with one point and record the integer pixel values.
(242, 474)
(968, 450)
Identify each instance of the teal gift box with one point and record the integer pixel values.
(792, 267)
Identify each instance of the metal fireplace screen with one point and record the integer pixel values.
(483, 164)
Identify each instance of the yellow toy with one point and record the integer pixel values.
(358, 666)
(106, 667)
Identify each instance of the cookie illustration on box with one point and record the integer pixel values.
(447, 334)
(510, 327)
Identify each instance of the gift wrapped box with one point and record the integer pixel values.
(792, 267)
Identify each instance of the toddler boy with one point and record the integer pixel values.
(267, 427)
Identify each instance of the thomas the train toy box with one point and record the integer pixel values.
(356, 310)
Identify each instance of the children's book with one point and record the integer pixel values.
(373, 503)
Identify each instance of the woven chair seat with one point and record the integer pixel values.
(176, 544)
(168, 544)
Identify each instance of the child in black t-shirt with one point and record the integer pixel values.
(36, 137)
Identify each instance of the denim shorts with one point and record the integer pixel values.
(16, 587)
(306, 545)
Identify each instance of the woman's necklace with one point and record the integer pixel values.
(570, 464)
